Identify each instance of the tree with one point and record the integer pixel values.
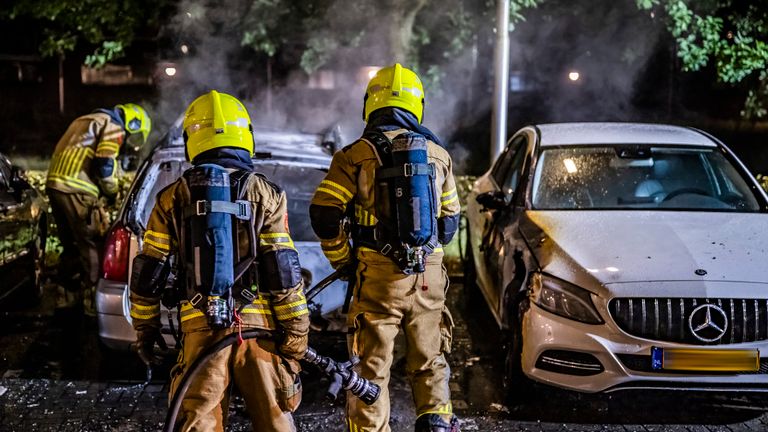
(109, 26)
(730, 33)
(325, 26)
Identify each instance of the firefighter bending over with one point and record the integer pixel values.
(397, 182)
(84, 167)
(213, 222)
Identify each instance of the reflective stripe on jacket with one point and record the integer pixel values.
(351, 178)
(92, 136)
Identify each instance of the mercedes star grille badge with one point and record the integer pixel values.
(708, 322)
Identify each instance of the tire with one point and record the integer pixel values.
(518, 388)
(474, 298)
(470, 272)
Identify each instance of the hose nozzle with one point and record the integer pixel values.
(342, 376)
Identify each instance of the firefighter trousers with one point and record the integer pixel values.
(80, 222)
(268, 383)
(385, 301)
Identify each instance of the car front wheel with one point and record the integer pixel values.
(517, 387)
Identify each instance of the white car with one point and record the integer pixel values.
(296, 162)
(624, 256)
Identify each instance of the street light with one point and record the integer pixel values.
(170, 71)
(574, 76)
(372, 71)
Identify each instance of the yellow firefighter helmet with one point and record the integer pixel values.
(136, 120)
(216, 120)
(394, 86)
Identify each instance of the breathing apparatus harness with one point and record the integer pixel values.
(405, 197)
(210, 261)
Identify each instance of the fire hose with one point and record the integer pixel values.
(341, 374)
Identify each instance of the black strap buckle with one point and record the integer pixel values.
(408, 170)
(247, 296)
(195, 300)
(201, 208)
(385, 250)
(243, 210)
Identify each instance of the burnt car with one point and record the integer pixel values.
(297, 162)
(622, 256)
(23, 232)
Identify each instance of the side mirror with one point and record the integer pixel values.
(493, 200)
(18, 183)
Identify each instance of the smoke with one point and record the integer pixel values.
(213, 58)
(609, 43)
(584, 61)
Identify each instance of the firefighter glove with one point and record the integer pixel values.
(145, 346)
(294, 345)
(347, 270)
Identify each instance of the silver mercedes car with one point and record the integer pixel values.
(297, 162)
(622, 256)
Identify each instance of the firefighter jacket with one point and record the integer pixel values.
(85, 158)
(350, 181)
(281, 300)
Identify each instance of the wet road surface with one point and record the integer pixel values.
(55, 376)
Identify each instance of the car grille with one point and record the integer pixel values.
(667, 319)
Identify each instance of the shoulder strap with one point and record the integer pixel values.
(380, 144)
(239, 179)
(240, 208)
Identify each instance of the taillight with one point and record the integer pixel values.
(116, 254)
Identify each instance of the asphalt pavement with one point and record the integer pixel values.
(57, 377)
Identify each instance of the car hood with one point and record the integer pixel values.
(595, 248)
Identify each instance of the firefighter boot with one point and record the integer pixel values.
(66, 298)
(436, 423)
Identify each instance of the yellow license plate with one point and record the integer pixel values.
(705, 360)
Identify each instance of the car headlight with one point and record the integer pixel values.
(562, 298)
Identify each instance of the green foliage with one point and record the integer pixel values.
(319, 50)
(109, 50)
(731, 34)
(516, 9)
(460, 28)
(110, 26)
(266, 25)
(755, 106)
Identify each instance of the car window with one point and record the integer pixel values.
(168, 172)
(512, 177)
(500, 170)
(299, 184)
(657, 178)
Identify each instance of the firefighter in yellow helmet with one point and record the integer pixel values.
(396, 185)
(223, 288)
(85, 167)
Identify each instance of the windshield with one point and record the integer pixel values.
(299, 184)
(639, 177)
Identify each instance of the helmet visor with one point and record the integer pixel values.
(134, 141)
